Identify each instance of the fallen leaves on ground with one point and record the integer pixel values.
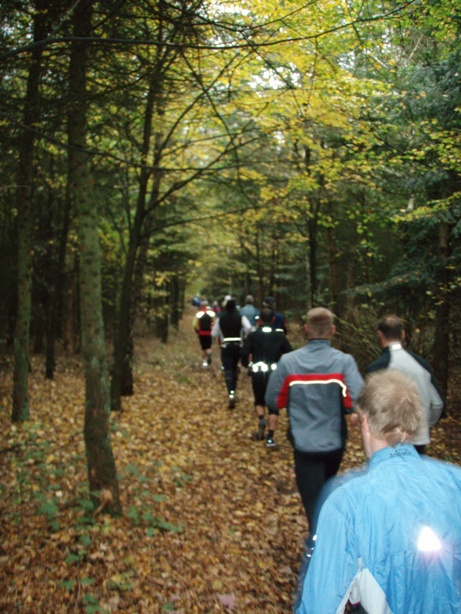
(212, 519)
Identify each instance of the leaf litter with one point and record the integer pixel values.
(212, 519)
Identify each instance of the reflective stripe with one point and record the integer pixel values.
(202, 313)
(263, 367)
(320, 381)
(231, 342)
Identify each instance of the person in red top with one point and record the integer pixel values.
(203, 323)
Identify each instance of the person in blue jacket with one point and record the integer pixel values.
(389, 537)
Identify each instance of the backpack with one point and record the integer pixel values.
(205, 322)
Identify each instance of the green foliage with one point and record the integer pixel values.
(91, 604)
(147, 519)
(181, 478)
(69, 585)
(120, 582)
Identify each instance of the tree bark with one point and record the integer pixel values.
(102, 475)
(441, 347)
(175, 305)
(20, 409)
(56, 294)
(122, 374)
(333, 271)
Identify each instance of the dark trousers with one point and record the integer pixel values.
(230, 357)
(259, 385)
(205, 341)
(312, 471)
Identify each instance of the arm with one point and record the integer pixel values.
(246, 350)
(247, 328)
(437, 406)
(286, 346)
(436, 410)
(329, 578)
(354, 383)
(274, 385)
(437, 400)
(216, 330)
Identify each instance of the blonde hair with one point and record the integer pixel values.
(393, 406)
(320, 320)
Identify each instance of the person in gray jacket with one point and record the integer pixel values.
(391, 334)
(250, 311)
(318, 385)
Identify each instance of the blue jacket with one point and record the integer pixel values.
(389, 538)
(251, 312)
(318, 385)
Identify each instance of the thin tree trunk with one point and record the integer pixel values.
(441, 347)
(175, 307)
(20, 409)
(56, 295)
(333, 271)
(122, 375)
(102, 475)
(312, 225)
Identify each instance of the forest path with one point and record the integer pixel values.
(212, 519)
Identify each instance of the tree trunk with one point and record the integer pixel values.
(175, 306)
(161, 325)
(68, 334)
(102, 475)
(20, 409)
(56, 295)
(122, 341)
(333, 271)
(312, 230)
(122, 368)
(441, 347)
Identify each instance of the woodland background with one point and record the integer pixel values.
(157, 150)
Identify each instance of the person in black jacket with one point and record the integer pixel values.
(265, 346)
(279, 319)
(228, 330)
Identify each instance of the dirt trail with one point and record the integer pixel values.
(212, 519)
